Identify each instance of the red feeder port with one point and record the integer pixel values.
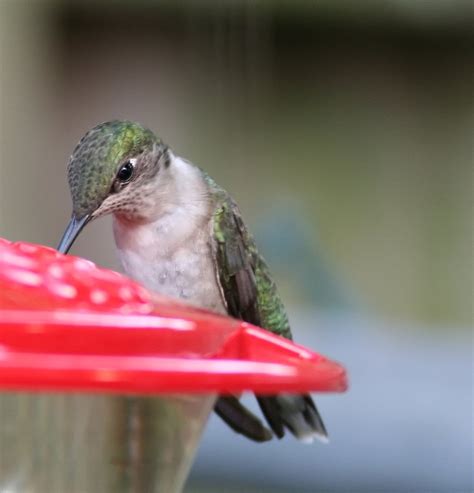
(67, 325)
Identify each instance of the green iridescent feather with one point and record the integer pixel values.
(245, 278)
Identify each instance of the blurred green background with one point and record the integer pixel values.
(343, 129)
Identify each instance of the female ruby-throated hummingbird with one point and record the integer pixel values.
(180, 234)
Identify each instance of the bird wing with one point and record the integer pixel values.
(247, 286)
(251, 295)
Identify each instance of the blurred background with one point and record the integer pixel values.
(343, 129)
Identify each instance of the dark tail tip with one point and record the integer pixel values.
(297, 413)
(241, 420)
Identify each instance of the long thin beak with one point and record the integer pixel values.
(72, 232)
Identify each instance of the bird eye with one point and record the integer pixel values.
(125, 173)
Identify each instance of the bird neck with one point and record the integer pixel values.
(176, 205)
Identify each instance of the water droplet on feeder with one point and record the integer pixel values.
(98, 296)
(23, 277)
(63, 290)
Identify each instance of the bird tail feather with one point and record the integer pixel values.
(297, 413)
(241, 420)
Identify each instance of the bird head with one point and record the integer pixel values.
(110, 171)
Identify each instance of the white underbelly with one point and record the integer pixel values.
(186, 273)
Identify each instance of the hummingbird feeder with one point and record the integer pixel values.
(106, 387)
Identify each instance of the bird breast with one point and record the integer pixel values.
(170, 264)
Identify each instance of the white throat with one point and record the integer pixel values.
(179, 206)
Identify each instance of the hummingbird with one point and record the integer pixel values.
(178, 233)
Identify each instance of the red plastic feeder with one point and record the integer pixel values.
(68, 326)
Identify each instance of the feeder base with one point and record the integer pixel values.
(99, 444)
